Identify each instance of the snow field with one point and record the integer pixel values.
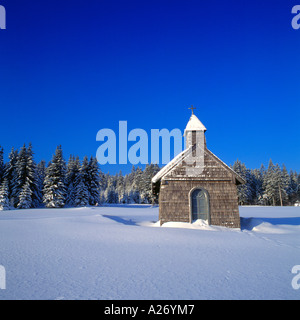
(120, 252)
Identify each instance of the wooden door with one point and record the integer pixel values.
(200, 205)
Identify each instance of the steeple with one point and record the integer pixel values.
(194, 131)
(194, 124)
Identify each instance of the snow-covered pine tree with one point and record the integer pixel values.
(32, 176)
(54, 185)
(21, 178)
(10, 176)
(25, 196)
(293, 187)
(69, 179)
(298, 188)
(282, 181)
(133, 195)
(143, 184)
(130, 187)
(103, 185)
(25, 173)
(40, 173)
(136, 186)
(82, 194)
(146, 184)
(258, 183)
(110, 195)
(73, 169)
(102, 180)
(121, 188)
(138, 178)
(2, 166)
(93, 182)
(133, 185)
(131, 176)
(126, 188)
(276, 184)
(20, 175)
(244, 191)
(269, 184)
(4, 195)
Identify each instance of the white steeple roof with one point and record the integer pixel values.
(194, 124)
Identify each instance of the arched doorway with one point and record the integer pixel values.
(200, 205)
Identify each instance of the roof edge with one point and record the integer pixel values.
(161, 173)
(168, 167)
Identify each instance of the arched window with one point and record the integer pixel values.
(200, 204)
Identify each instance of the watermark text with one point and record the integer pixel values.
(2, 17)
(296, 18)
(2, 278)
(296, 279)
(137, 147)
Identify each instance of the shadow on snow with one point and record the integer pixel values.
(250, 223)
(120, 220)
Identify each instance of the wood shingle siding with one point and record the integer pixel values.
(174, 183)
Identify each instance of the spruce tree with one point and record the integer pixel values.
(298, 188)
(40, 173)
(25, 173)
(282, 180)
(4, 195)
(110, 195)
(25, 196)
(54, 186)
(146, 183)
(33, 179)
(102, 186)
(258, 185)
(20, 175)
(93, 182)
(293, 187)
(120, 188)
(87, 183)
(81, 185)
(270, 185)
(82, 195)
(2, 166)
(244, 191)
(73, 169)
(10, 176)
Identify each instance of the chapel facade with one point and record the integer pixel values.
(196, 184)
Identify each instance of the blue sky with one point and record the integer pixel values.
(71, 68)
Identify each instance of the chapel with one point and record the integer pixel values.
(196, 184)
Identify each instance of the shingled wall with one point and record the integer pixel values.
(216, 178)
(174, 201)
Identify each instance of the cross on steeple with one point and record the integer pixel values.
(192, 108)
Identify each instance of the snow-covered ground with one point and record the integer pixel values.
(121, 253)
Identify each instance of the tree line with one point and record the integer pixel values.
(25, 184)
(268, 186)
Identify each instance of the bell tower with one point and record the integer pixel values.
(194, 132)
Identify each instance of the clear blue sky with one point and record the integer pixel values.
(69, 68)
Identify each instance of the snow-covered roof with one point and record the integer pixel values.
(238, 177)
(171, 164)
(194, 124)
